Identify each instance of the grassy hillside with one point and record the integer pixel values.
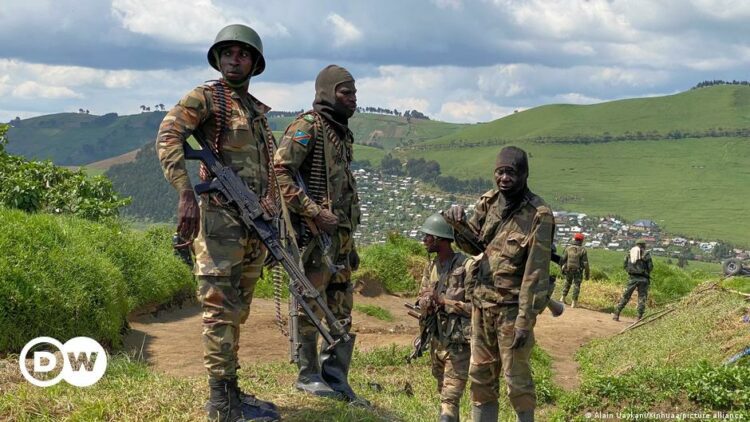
(717, 107)
(78, 139)
(696, 187)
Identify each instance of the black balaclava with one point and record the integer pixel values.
(515, 158)
(325, 97)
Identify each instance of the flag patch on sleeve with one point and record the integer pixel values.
(300, 137)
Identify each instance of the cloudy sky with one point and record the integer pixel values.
(455, 60)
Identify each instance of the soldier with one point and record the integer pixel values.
(516, 227)
(228, 256)
(446, 289)
(313, 168)
(574, 265)
(638, 265)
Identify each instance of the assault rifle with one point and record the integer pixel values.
(428, 327)
(246, 202)
(555, 307)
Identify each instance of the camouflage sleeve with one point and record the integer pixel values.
(425, 287)
(564, 260)
(649, 264)
(535, 283)
(475, 225)
(293, 149)
(176, 127)
(464, 307)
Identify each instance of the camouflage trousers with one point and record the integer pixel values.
(450, 367)
(635, 283)
(228, 263)
(491, 338)
(573, 278)
(337, 288)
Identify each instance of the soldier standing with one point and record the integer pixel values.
(511, 288)
(574, 266)
(638, 265)
(313, 168)
(228, 256)
(446, 289)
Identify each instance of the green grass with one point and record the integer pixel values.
(375, 312)
(726, 107)
(691, 186)
(130, 391)
(672, 364)
(368, 153)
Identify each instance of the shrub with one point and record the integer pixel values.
(395, 263)
(65, 277)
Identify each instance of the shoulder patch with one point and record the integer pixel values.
(309, 117)
(300, 137)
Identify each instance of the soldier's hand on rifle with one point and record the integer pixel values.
(425, 303)
(455, 213)
(326, 221)
(188, 215)
(354, 260)
(520, 336)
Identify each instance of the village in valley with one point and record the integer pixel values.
(400, 204)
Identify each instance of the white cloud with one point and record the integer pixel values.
(30, 90)
(344, 32)
(472, 111)
(449, 4)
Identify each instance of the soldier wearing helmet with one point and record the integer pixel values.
(638, 265)
(446, 289)
(228, 256)
(575, 266)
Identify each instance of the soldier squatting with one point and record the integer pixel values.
(484, 305)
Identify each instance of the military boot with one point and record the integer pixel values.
(309, 379)
(252, 408)
(223, 403)
(616, 316)
(335, 370)
(448, 413)
(525, 416)
(486, 412)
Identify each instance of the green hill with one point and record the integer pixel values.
(79, 139)
(696, 113)
(693, 186)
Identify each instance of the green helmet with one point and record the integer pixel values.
(242, 34)
(436, 226)
(640, 242)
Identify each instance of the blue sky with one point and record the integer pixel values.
(455, 60)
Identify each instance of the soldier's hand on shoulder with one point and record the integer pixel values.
(188, 215)
(455, 213)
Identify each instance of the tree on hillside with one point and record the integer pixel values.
(143, 108)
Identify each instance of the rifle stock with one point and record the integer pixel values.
(247, 203)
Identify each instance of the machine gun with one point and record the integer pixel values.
(428, 327)
(555, 307)
(246, 202)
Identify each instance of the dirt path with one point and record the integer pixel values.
(171, 341)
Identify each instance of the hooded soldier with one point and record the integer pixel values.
(515, 228)
(228, 256)
(575, 267)
(313, 166)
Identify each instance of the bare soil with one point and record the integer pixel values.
(171, 341)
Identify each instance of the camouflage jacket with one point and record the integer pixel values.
(296, 155)
(575, 259)
(515, 264)
(243, 147)
(454, 283)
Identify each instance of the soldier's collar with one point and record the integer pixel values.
(258, 107)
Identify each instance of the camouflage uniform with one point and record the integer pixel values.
(574, 271)
(514, 267)
(449, 351)
(228, 257)
(295, 155)
(639, 279)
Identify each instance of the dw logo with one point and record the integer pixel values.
(84, 362)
